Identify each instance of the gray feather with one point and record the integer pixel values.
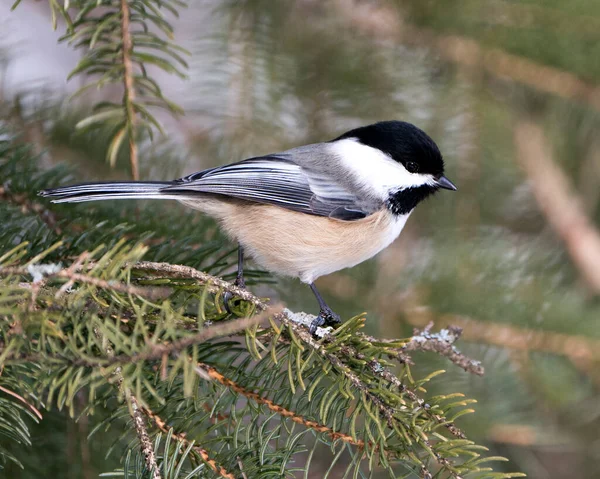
(305, 179)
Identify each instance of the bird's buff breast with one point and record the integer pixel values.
(300, 245)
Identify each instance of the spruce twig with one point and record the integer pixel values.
(129, 94)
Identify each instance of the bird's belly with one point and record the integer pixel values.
(305, 246)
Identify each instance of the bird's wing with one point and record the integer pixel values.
(276, 180)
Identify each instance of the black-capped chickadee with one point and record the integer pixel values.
(308, 211)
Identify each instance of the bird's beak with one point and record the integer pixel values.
(445, 183)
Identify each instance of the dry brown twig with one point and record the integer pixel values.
(441, 342)
(561, 207)
(576, 348)
(23, 400)
(384, 23)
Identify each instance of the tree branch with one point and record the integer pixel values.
(212, 283)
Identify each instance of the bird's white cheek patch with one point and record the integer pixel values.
(376, 170)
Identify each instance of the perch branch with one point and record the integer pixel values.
(213, 284)
(441, 342)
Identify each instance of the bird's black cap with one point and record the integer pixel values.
(404, 143)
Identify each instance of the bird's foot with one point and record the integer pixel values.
(240, 283)
(325, 318)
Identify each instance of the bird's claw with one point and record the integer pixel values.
(227, 297)
(325, 318)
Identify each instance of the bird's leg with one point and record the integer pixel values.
(239, 280)
(326, 316)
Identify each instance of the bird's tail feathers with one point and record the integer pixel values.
(109, 191)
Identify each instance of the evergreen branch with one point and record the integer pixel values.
(442, 342)
(156, 351)
(129, 94)
(386, 410)
(121, 38)
(305, 336)
(217, 376)
(429, 344)
(203, 453)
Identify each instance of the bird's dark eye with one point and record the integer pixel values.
(412, 167)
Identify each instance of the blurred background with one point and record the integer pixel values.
(510, 91)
